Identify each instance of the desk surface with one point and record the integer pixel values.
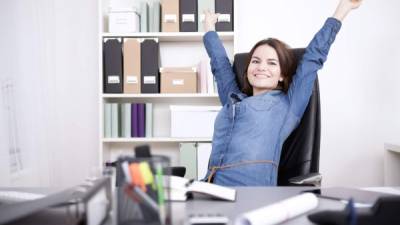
(248, 198)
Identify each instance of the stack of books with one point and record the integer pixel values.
(128, 120)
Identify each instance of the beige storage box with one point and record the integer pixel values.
(178, 80)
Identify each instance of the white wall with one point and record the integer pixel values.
(50, 49)
(76, 120)
(359, 84)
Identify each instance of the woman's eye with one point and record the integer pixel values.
(254, 61)
(272, 63)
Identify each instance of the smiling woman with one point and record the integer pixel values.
(254, 122)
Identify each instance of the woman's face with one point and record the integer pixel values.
(264, 70)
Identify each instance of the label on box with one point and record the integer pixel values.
(130, 79)
(187, 17)
(170, 18)
(178, 82)
(121, 21)
(113, 79)
(149, 79)
(224, 18)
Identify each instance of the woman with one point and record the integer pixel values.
(250, 129)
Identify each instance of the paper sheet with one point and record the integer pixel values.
(280, 211)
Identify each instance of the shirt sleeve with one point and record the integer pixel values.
(313, 59)
(220, 66)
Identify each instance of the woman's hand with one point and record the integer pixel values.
(210, 20)
(344, 7)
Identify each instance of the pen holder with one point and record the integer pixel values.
(140, 191)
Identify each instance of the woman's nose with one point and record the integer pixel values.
(262, 66)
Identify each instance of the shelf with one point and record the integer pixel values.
(154, 140)
(196, 95)
(172, 36)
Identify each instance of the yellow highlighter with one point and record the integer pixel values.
(147, 175)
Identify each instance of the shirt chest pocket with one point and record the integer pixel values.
(262, 104)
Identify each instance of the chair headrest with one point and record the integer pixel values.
(240, 60)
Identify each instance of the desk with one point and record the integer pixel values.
(248, 198)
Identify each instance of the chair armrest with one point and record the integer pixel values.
(311, 179)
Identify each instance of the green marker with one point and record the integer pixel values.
(160, 193)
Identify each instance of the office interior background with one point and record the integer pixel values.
(49, 78)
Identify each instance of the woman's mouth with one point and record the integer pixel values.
(260, 75)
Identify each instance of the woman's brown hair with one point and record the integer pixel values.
(286, 62)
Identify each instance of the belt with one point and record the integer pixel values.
(227, 166)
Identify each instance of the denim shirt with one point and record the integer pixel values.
(249, 131)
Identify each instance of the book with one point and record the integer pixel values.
(144, 17)
(181, 188)
(149, 120)
(201, 77)
(125, 120)
(114, 120)
(202, 157)
(154, 16)
(141, 120)
(188, 159)
(107, 120)
(134, 120)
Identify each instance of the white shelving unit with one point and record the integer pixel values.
(176, 49)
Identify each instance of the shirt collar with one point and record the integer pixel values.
(269, 93)
(238, 97)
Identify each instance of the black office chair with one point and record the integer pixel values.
(299, 162)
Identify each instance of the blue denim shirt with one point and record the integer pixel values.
(249, 131)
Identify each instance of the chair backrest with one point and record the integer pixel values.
(300, 151)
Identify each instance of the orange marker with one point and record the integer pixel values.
(136, 176)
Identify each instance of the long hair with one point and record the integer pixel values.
(286, 62)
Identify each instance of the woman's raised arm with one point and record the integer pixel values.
(314, 57)
(344, 7)
(220, 64)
